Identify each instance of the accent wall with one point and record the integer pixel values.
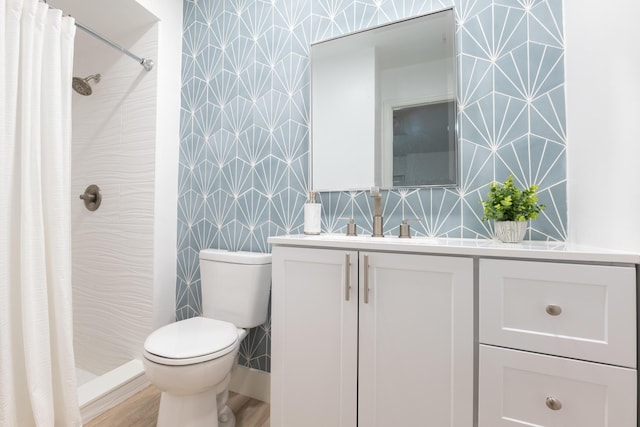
(245, 117)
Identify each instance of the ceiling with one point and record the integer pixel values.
(109, 18)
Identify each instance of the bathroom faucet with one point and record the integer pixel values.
(377, 212)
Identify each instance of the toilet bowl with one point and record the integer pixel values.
(191, 360)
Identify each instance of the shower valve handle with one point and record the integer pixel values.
(92, 197)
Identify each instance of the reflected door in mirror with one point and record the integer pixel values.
(423, 146)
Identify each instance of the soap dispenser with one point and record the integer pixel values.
(312, 215)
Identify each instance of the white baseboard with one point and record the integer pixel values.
(108, 390)
(252, 383)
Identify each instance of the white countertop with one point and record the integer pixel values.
(555, 251)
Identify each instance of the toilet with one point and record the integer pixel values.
(191, 360)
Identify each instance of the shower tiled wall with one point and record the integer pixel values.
(114, 146)
(245, 125)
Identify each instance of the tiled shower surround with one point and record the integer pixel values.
(114, 140)
(244, 152)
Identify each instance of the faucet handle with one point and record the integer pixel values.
(378, 222)
(405, 229)
(351, 226)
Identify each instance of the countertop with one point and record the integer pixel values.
(535, 250)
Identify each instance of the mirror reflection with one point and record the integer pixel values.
(423, 145)
(383, 106)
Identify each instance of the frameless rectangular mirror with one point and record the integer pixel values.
(384, 106)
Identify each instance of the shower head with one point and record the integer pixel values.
(82, 85)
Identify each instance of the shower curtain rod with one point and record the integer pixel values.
(146, 63)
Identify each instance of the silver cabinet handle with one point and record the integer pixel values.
(365, 259)
(553, 403)
(553, 310)
(347, 285)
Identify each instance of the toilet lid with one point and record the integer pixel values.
(189, 338)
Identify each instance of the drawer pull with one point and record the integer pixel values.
(553, 404)
(554, 310)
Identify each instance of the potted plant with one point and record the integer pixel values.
(510, 208)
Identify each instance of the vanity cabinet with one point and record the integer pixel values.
(452, 332)
(371, 339)
(557, 344)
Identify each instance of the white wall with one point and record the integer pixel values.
(424, 80)
(603, 122)
(348, 124)
(169, 13)
(114, 138)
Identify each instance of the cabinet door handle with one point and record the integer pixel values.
(553, 310)
(553, 403)
(365, 259)
(347, 284)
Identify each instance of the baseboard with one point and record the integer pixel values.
(252, 383)
(112, 388)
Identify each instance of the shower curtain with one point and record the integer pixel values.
(37, 374)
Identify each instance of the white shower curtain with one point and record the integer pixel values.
(37, 374)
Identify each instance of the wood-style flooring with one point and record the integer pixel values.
(141, 410)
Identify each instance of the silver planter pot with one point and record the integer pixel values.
(510, 231)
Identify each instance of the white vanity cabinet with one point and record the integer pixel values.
(371, 339)
(390, 332)
(557, 344)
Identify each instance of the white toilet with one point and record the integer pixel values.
(191, 360)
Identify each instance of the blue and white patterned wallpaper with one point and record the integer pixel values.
(244, 149)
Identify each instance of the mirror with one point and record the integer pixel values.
(384, 106)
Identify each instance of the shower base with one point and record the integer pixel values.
(83, 376)
(100, 393)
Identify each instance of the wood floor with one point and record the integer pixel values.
(141, 410)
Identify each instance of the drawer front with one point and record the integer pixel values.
(581, 311)
(517, 388)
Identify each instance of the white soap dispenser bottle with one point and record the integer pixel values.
(312, 215)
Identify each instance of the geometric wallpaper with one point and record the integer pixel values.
(245, 116)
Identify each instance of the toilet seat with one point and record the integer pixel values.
(190, 341)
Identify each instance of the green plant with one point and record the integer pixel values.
(507, 202)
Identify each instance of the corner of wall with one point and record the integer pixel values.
(169, 14)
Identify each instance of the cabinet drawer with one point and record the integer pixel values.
(581, 311)
(516, 388)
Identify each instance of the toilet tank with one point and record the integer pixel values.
(235, 286)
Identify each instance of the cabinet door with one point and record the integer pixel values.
(314, 338)
(416, 341)
(518, 388)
